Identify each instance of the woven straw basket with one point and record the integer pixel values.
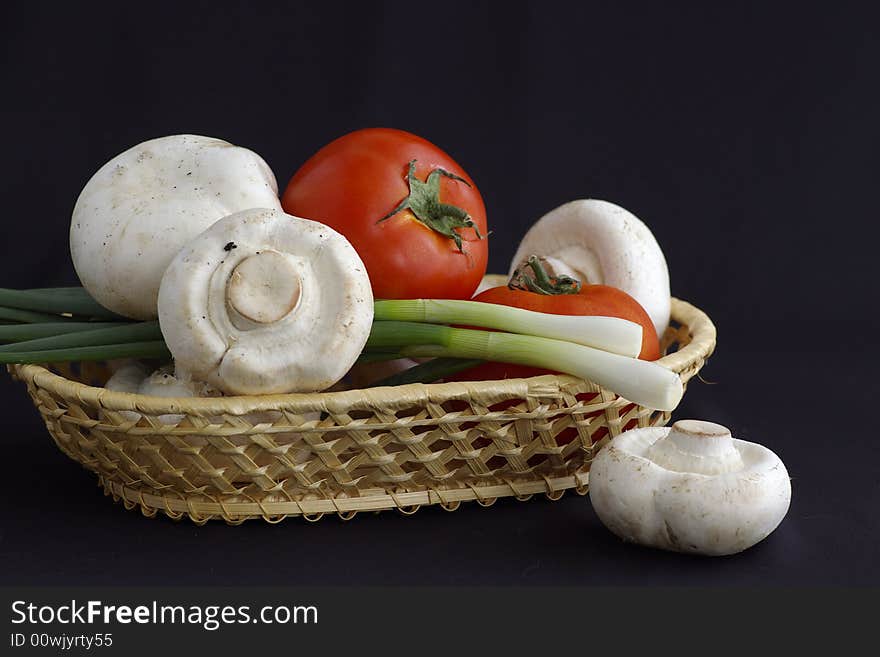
(404, 447)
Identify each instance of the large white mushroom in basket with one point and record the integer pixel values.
(142, 206)
(264, 302)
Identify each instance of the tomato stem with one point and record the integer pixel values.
(424, 202)
(540, 281)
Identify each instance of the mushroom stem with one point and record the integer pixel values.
(587, 268)
(264, 287)
(697, 446)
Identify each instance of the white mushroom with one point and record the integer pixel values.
(168, 382)
(142, 206)
(489, 281)
(599, 243)
(133, 377)
(127, 377)
(265, 302)
(692, 488)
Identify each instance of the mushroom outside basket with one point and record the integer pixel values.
(404, 447)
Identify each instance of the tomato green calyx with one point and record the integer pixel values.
(424, 202)
(533, 276)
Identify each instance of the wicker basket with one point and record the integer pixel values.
(405, 447)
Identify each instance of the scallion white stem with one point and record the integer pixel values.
(639, 381)
(612, 334)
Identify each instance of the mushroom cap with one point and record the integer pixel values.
(246, 262)
(142, 206)
(644, 489)
(598, 242)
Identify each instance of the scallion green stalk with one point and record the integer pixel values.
(134, 332)
(368, 357)
(432, 370)
(153, 349)
(555, 342)
(20, 332)
(56, 301)
(612, 334)
(28, 316)
(639, 381)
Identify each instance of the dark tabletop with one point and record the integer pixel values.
(745, 137)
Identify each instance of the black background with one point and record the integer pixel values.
(746, 137)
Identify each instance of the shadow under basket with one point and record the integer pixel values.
(404, 447)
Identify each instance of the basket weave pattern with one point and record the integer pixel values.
(275, 456)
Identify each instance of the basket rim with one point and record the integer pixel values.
(700, 327)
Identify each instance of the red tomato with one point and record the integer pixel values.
(356, 181)
(591, 300)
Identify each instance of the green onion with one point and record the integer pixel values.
(153, 349)
(639, 381)
(432, 370)
(612, 334)
(27, 316)
(134, 332)
(377, 356)
(555, 342)
(56, 301)
(19, 332)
